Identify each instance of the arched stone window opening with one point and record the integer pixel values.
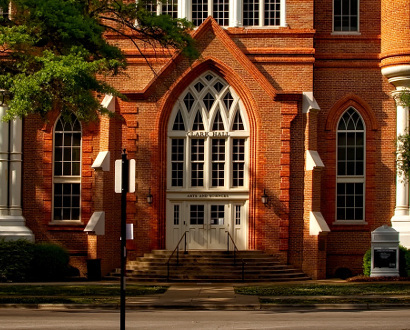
(67, 169)
(351, 164)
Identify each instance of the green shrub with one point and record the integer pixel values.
(367, 262)
(24, 261)
(15, 260)
(50, 262)
(404, 262)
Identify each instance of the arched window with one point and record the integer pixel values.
(207, 166)
(350, 166)
(67, 169)
(208, 137)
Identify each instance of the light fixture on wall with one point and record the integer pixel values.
(149, 197)
(264, 198)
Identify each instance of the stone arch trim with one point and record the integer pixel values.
(165, 108)
(351, 100)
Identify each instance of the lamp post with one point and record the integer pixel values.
(124, 190)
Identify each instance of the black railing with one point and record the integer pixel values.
(177, 251)
(235, 250)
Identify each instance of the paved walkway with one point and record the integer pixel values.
(200, 296)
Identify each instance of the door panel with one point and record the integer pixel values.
(206, 224)
(218, 225)
(197, 237)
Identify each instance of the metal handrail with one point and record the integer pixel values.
(235, 249)
(177, 250)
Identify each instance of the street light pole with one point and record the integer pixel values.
(124, 190)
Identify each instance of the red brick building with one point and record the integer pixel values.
(293, 99)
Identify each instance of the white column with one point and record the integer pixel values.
(12, 222)
(4, 162)
(235, 13)
(402, 184)
(16, 128)
(399, 76)
(184, 10)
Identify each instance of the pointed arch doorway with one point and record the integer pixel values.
(208, 166)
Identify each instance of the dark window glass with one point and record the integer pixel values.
(218, 123)
(345, 15)
(198, 124)
(177, 159)
(178, 123)
(228, 100)
(67, 157)
(189, 101)
(250, 12)
(238, 123)
(197, 215)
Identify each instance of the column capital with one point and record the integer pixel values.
(398, 75)
(397, 96)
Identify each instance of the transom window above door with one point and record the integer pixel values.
(208, 137)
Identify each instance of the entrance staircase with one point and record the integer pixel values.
(209, 266)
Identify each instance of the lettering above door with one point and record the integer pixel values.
(216, 195)
(206, 134)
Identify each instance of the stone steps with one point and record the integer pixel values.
(209, 266)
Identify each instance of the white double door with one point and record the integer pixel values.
(207, 224)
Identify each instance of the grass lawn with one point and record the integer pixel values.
(345, 289)
(346, 293)
(71, 294)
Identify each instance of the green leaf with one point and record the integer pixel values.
(55, 55)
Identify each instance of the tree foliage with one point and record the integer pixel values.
(53, 53)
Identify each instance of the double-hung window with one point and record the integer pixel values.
(249, 13)
(219, 9)
(345, 16)
(263, 12)
(350, 167)
(169, 7)
(4, 13)
(67, 169)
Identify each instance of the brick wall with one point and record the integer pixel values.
(269, 69)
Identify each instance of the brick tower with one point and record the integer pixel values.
(395, 66)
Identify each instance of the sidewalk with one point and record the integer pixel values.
(215, 296)
(200, 296)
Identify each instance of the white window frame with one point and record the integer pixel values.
(159, 5)
(351, 178)
(235, 13)
(208, 118)
(354, 32)
(65, 179)
(262, 15)
(6, 14)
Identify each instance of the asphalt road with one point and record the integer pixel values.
(160, 319)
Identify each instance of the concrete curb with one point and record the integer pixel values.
(222, 307)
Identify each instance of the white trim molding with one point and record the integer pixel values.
(317, 224)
